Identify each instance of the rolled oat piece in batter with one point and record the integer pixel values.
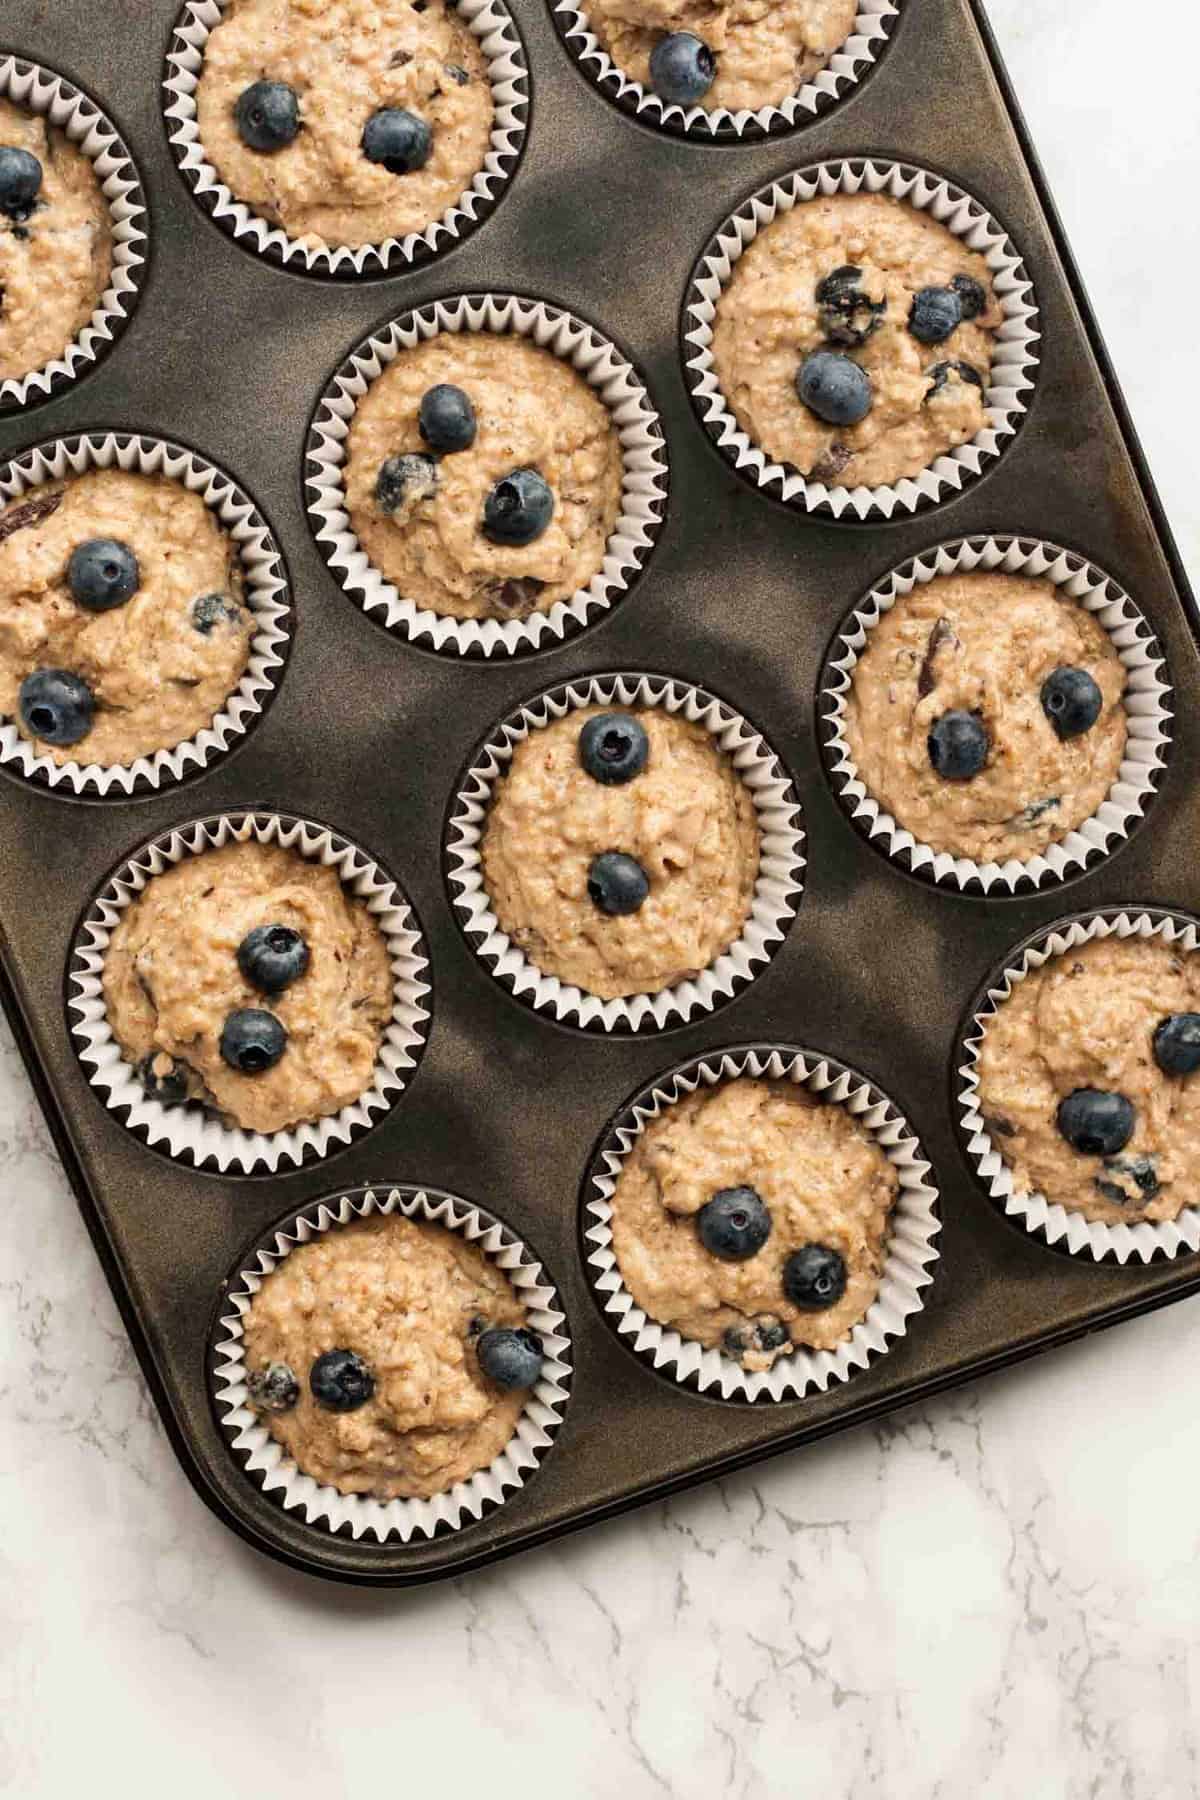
(346, 122)
(621, 882)
(1088, 1080)
(752, 1217)
(854, 339)
(250, 980)
(368, 1351)
(483, 476)
(986, 714)
(55, 242)
(123, 625)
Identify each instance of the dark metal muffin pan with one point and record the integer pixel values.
(229, 353)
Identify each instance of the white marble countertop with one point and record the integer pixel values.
(996, 1595)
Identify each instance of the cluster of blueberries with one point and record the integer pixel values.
(340, 1381)
(1097, 1122)
(20, 183)
(267, 116)
(959, 742)
(733, 1226)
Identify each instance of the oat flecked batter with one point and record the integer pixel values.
(767, 323)
(689, 821)
(765, 49)
(171, 979)
(158, 671)
(402, 1296)
(984, 643)
(533, 410)
(345, 60)
(1087, 1019)
(823, 1179)
(55, 265)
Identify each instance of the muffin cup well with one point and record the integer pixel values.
(847, 66)
(1014, 358)
(911, 1252)
(40, 90)
(190, 1134)
(266, 596)
(488, 20)
(1146, 706)
(1061, 1226)
(643, 486)
(776, 893)
(266, 1462)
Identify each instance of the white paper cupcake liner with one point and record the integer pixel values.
(1064, 1227)
(40, 90)
(1146, 706)
(190, 1134)
(643, 486)
(1014, 358)
(848, 65)
(265, 594)
(356, 1515)
(776, 893)
(488, 20)
(911, 1251)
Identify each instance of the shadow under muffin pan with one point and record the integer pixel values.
(739, 599)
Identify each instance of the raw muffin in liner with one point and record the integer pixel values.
(643, 485)
(488, 20)
(848, 65)
(266, 596)
(267, 1463)
(1146, 706)
(190, 1134)
(911, 1253)
(1045, 1219)
(776, 892)
(40, 90)
(1014, 358)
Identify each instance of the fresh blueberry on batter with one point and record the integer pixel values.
(271, 957)
(814, 1277)
(617, 883)
(273, 1389)
(847, 315)
(682, 68)
(340, 1381)
(1072, 701)
(20, 182)
(252, 1040)
(267, 115)
(958, 745)
(446, 418)
(397, 139)
(103, 573)
(1096, 1123)
(834, 387)
(1177, 1044)
(56, 706)
(734, 1224)
(518, 509)
(405, 479)
(613, 748)
(512, 1359)
(935, 313)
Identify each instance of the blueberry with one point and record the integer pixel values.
(934, 314)
(273, 1389)
(252, 1041)
(771, 1334)
(972, 295)
(1177, 1044)
(834, 387)
(168, 1085)
(1072, 701)
(402, 479)
(814, 1278)
(397, 139)
(271, 957)
(476, 1325)
(941, 372)
(518, 509)
(1096, 1123)
(613, 748)
(340, 1381)
(267, 116)
(211, 609)
(958, 745)
(458, 75)
(512, 1359)
(617, 884)
(56, 706)
(1128, 1179)
(446, 418)
(847, 315)
(682, 68)
(20, 182)
(102, 574)
(735, 1342)
(734, 1224)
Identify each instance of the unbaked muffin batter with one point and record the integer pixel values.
(1087, 1020)
(172, 980)
(769, 319)
(55, 264)
(158, 666)
(345, 60)
(824, 1181)
(408, 1299)
(984, 644)
(533, 411)
(687, 818)
(764, 49)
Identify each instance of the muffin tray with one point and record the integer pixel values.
(228, 354)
